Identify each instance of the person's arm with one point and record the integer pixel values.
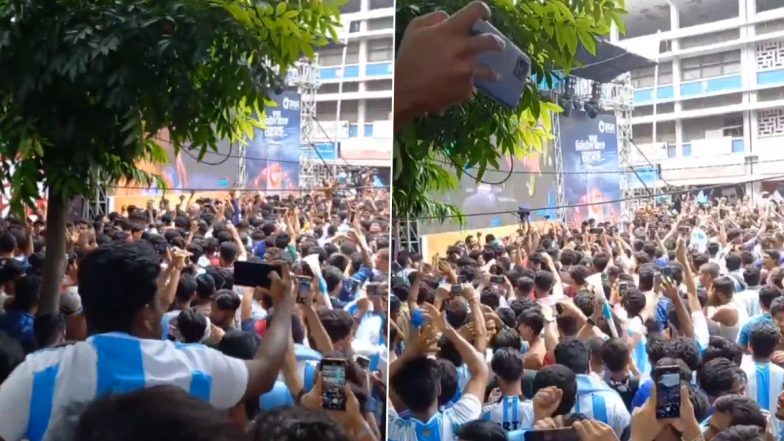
(318, 334)
(235, 236)
(357, 237)
(263, 369)
(173, 272)
(290, 374)
(246, 307)
(478, 317)
(684, 318)
(472, 358)
(688, 277)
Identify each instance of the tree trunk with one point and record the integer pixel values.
(54, 259)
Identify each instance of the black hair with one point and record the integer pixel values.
(687, 350)
(574, 354)
(26, 295)
(717, 377)
(561, 377)
(724, 285)
(416, 383)
(720, 347)
(296, 424)
(447, 373)
(763, 340)
(752, 276)
(11, 355)
(239, 344)
(192, 325)
(507, 364)
(227, 300)
(543, 281)
(47, 327)
(168, 413)
(7, 242)
(533, 318)
(777, 306)
(481, 430)
(615, 354)
(506, 338)
(743, 411)
(337, 322)
(742, 433)
(116, 280)
(332, 276)
(767, 294)
(186, 288)
(647, 273)
(205, 286)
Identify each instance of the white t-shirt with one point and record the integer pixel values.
(441, 427)
(48, 383)
(511, 413)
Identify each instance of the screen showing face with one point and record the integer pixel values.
(334, 378)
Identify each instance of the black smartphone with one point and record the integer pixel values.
(355, 284)
(623, 287)
(303, 291)
(372, 289)
(161, 247)
(563, 434)
(362, 361)
(668, 391)
(252, 274)
(333, 377)
(456, 289)
(462, 279)
(498, 280)
(667, 272)
(596, 231)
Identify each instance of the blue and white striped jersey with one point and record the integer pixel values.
(441, 426)
(511, 413)
(596, 400)
(765, 384)
(51, 381)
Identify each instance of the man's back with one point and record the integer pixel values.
(511, 413)
(765, 381)
(50, 381)
(441, 426)
(598, 401)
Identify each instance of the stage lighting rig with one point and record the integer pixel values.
(566, 101)
(592, 108)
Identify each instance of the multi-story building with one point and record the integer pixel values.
(712, 110)
(354, 100)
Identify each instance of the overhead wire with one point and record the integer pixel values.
(591, 204)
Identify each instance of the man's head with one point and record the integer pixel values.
(228, 254)
(563, 378)
(118, 285)
(507, 365)
(763, 341)
(615, 354)
(296, 423)
(767, 295)
(708, 273)
(720, 377)
(777, 312)
(417, 384)
(575, 355)
(481, 430)
(722, 291)
(543, 283)
(734, 410)
(224, 308)
(27, 290)
(770, 259)
(530, 323)
(339, 326)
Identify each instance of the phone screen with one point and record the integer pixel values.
(462, 279)
(564, 434)
(371, 289)
(304, 289)
(622, 288)
(667, 272)
(498, 280)
(668, 392)
(252, 274)
(333, 376)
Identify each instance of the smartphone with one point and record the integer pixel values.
(623, 287)
(252, 274)
(563, 434)
(362, 361)
(372, 289)
(512, 66)
(668, 391)
(462, 280)
(333, 376)
(355, 284)
(161, 247)
(667, 272)
(303, 292)
(455, 289)
(498, 280)
(596, 231)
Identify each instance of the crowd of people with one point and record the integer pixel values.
(154, 340)
(574, 327)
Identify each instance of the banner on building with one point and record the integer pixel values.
(590, 163)
(273, 155)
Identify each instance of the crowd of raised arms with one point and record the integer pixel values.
(667, 327)
(154, 340)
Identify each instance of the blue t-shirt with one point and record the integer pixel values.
(19, 326)
(757, 320)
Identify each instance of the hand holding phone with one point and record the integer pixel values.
(623, 287)
(668, 392)
(303, 288)
(511, 67)
(333, 378)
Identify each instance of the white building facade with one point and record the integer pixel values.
(712, 110)
(354, 100)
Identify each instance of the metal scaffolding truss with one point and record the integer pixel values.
(312, 171)
(406, 235)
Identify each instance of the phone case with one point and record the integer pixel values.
(512, 65)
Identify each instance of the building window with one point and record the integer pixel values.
(671, 151)
(645, 77)
(368, 130)
(353, 26)
(353, 130)
(378, 4)
(770, 55)
(380, 50)
(380, 24)
(334, 56)
(737, 146)
(767, 5)
(770, 122)
(709, 66)
(686, 150)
